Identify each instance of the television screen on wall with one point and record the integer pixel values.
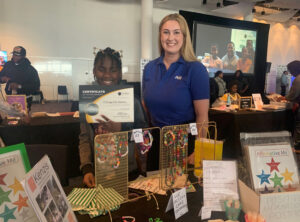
(230, 44)
(3, 59)
(224, 48)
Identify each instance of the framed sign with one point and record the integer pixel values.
(18, 102)
(245, 102)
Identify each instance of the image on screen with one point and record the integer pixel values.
(224, 48)
(3, 59)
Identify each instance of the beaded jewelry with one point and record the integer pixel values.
(111, 149)
(147, 144)
(176, 142)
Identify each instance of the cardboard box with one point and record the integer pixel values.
(274, 207)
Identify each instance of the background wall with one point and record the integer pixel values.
(59, 36)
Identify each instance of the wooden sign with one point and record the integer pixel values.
(245, 102)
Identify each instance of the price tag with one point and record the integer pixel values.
(180, 203)
(193, 129)
(138, 135)
(205, 213)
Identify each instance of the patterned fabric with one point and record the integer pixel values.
(95, 202)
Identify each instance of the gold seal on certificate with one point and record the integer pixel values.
(116, 103)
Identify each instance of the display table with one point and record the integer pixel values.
(230, 124)
(63, 130)
(142, 209)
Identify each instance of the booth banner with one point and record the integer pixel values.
(115, 103)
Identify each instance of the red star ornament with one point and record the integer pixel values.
(273, 165)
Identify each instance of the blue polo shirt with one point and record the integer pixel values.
(169, 94)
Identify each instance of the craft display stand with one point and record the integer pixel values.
(111, 157)
(174, 152)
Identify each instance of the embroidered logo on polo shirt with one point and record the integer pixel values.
(178, 77)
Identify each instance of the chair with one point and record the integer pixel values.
(62, 90)
(58, 155)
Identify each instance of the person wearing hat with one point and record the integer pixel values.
(20, 76)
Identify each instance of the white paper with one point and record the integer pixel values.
(258, 103)
(193, 128)
(180, 203)
(46, 194)
(138, 135)
(219, 183)
(170, 205)
(205, 213)
(280, 207)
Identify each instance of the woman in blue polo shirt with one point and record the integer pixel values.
(175, 85)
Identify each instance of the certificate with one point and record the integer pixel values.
(114, 102)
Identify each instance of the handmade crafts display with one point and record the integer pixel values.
(95, 202)
(110, 149)
(147, 144)
(175, 143)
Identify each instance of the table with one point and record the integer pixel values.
(142, 210)
(62, 130)
(230, 124)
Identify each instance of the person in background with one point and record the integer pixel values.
(20, 76)
(213, 61)
(242, 81)
(294, 97)
(251, 52)
(244, 64)
(284, 82)
(107, 72)
(230, 59)
(233, 94)
(175, 85)
(221, 83)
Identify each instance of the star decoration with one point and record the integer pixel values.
(287, 175)
(24, 213)
(16, 186)
(264, 177)
(273, 165)
(266, 190)
(290, 188)
(277, 180)
(22, 202)
(1, 179)
(4, 196)
(8, 214)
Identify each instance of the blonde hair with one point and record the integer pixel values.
(186, 51)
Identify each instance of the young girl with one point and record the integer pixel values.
(233, 95)
(107, 71)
